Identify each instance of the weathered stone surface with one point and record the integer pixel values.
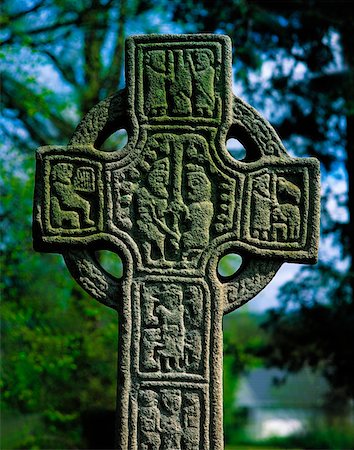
(171, 203)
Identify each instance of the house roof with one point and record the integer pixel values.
(260, 388)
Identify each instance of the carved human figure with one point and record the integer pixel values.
(155, 86)
(151, 340)
(66, 199)
(123, 191)
(200, 210)
(261, 207)
(151, 208)
(180, 84)
(193, 350)
(193, 306)
(191, 421)
(170, 419)
(171, 314)
(203, 77)
(196, 151)
(149, 420)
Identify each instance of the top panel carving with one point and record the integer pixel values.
(183, 80)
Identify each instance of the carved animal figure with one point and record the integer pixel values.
(293, 219)
(150, 341)
(289, 196)
(288, 191)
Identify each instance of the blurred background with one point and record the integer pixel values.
(289, 354)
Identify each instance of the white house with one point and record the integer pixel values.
(281, 409)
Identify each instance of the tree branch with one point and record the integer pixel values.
(66, 71)
(114, 73)
(20, 14)
(32, 32)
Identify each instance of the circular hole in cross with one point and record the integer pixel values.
(235, 148)
(115, 141)
(229, 265)
(110, 262)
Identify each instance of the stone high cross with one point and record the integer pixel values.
(171, 203)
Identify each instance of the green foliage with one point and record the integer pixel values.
(241, 338)
(59, 347)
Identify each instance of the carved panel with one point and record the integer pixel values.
(184, 81)
(170, 419)
(173, 329)
(276, 208)
(176, 198)
(73, 203)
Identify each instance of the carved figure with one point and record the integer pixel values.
(170, 419)
(155, 92)
(279, 225)
(193, 309)
(191, 421)
(180, 84)
(288, 190)
(149, 420)
(170, 313)
(292, 217)
(66, 199)
(200, 209)
(203, 77)
(148, 307)
(261, 207)
(286, 215)
(151, 340)
(193, 350)
(289, 196)
(151, 208)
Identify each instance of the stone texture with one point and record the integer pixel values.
(171, 203)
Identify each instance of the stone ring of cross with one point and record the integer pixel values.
(171, 203)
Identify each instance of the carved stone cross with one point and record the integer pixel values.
(171, 203)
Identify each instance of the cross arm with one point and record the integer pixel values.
(277, 208)
(71, 212)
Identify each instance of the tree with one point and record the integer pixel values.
(300, 54)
